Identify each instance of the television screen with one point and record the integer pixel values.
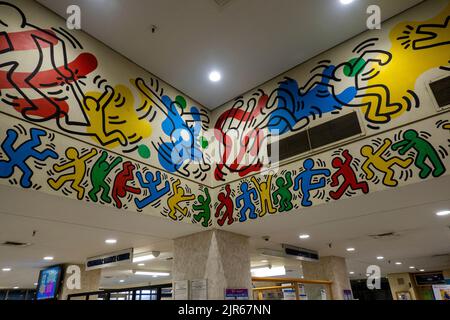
(48, 284)
(429, 279)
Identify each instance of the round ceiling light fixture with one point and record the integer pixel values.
(215, 76)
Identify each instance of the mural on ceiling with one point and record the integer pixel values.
(34, 158)
(46, 77)
(381, 83)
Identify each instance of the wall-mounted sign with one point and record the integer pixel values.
(441, 292)
(199, 289)
(109, 260)
(236, 294)
(181, 290)
(348, 295)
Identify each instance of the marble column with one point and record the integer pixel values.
(223, 258)
(89, 281)
(328, 268)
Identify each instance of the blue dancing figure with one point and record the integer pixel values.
(183, 145)
(152, 186)
(18, 156)
(307, 185)
(246, 199)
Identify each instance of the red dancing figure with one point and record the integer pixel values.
(120, 188)
(227, 202)
(346, 171)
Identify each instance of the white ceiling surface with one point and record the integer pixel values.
(248, 41)
(409, 212)
(72, 231)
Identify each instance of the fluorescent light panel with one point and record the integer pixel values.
(143, 258)
(152, 273)
(268, 272)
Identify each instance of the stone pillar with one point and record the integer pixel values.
(400, 284)
(223, 258)
(89, 280)
(328, 268)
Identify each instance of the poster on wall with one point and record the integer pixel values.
(289, 292)
(441, 292)
(348, 295)
(181, 290)
(199, 289)
(236, 294)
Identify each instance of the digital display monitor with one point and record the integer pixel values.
(49, 283)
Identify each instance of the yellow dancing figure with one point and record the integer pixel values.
(263, 189)
(377, 161)
(176, 198)
(78, 164)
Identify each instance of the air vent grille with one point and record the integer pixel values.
(441, 92)
(15, 244)
(222, 3)
(386, 235)
(327, 133)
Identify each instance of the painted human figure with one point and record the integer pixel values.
(376, 160)
(121, 188)
(99, 173)
(204, 209)
(425, 151)
(174, 201)
(304, 181)
(283, 195)
(151, 185)
(226, 202)
(78, 165)
(263, 190)
(17, 157)
(35, 41)
(247, 205)
(345, 171)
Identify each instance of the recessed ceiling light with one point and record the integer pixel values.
(48, 258)
(215, 76)
(121, 281)
(443, 213)
(380, 258)
(110, 241)
(15, 288)
(143, 258)
(304, 236)
(6, 269)
(264, 261)
(398, 263)
(346, 1)
(141, 264)
(351, 272)
(351, 249)
(422, 270)
(412, 267)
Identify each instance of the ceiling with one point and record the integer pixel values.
(71, 231)
(420, 237)
(248, 41)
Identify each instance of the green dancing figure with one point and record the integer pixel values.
(425, 151)
(99, 172)
(283, 193)
(203, 208)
